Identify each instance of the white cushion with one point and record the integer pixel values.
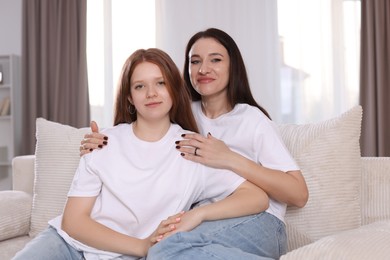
(57, 157)
(328, 154)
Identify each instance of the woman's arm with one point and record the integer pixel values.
(93, 140)
(247, 199)
(78, 224)
(288, 187)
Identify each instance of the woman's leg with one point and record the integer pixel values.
(260, 236)
(48, 245)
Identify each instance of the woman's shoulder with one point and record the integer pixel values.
(250, 111)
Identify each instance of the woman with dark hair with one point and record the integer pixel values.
(236, 134)
(223, 105)
(238, 89)
(120, 194)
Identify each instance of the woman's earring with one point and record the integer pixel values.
(131, 109)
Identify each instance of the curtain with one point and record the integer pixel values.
(375, 77)
(54, 67)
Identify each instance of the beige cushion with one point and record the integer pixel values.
(328, 154)
(15, 210)
(57, 157)
(367, 242)
(376, 189)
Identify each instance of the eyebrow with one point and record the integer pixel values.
(211, 54)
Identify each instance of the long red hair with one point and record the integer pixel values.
(180, 112)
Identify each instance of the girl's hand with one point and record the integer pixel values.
(208, 150)
(165, 227)
(92, 140)
(190, 220)
(187, 222)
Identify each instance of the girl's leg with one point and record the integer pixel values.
(48, 245)
(259, 236)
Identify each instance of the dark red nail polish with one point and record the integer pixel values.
(177, 147)
(105, 142)
(100, 146)
(183, 135)
(182, 154)
(105, 138)
(90, 149)
(177, 142)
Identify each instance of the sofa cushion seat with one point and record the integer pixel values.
(361, 243)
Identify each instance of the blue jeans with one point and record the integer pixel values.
(261, 236)
(48, 245)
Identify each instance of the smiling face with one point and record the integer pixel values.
(209, 67)
(149, 93)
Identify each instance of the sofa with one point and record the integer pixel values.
(347, 215)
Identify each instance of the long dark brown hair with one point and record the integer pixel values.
(238, 89)
(180, 112)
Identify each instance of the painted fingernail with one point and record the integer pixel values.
(182, 154)
(90, 149)
(100, 146)
(183, 135)
(105, 138)
(177, 142)
(177, 147)
(105, 142)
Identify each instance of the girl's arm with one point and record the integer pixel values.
(78, 224)
(247, 199)
(288, 187)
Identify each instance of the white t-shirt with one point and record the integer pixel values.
(139, 183)
(249, 132)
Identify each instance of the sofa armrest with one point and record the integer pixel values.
(375, 192)
(15, 213)
(23, 173)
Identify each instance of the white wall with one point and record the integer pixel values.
(10, 43)
(11, 27)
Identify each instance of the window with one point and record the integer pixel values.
(319, 43)
(115, 29)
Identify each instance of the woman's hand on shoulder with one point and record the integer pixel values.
(207, 150)
(93, 140)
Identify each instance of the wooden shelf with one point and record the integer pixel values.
(10, 115)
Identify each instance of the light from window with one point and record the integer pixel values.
(115, 29)
(319, 42)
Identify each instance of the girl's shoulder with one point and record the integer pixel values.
(178, 130)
